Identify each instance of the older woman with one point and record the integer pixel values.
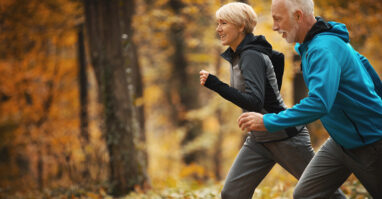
(254, 88)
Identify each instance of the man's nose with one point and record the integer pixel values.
(275, 27)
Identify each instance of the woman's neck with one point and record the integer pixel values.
(237, 42)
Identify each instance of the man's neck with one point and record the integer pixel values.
(306, 26)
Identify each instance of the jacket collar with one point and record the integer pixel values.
(320, 26)
(229, 54)
(250, 41)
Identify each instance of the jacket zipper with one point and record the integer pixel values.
(355, 127)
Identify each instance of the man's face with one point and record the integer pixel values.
(283, 21)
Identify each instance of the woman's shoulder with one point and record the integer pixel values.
(253, 57)
(251, 54)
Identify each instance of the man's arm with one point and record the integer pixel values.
(251, 121)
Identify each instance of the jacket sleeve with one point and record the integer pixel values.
(253, 71)
(322, 73)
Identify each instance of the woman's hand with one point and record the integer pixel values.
(203, 76)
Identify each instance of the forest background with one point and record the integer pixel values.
(101, 99)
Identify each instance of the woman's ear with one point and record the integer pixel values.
(241, 28)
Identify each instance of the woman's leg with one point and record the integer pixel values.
(250, 167)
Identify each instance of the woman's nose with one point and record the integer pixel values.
(218, 28)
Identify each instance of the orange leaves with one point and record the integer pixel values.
(194, 171)
(39, 93)
(39, 76)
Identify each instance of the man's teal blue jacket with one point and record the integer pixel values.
(342, 92)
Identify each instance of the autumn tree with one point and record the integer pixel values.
(109, 34)
(37, 90)
(83, 98)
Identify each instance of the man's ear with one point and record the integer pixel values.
(298, 14)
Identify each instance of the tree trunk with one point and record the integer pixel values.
(83, 89)
(83, 93)
(40, 170)
(138, 94)
(183, 86)
(108, 26)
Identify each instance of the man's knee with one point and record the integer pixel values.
(234, 193)
(298, 193)
(301, 193)
(227, 194)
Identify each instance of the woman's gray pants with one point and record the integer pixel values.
(255, 160)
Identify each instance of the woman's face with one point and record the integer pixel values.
(229, 34)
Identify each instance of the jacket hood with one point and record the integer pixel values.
(339, 30)
(323, 27)
(252, 42)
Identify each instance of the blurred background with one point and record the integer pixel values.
(101, 99)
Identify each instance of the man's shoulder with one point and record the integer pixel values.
(325, 41)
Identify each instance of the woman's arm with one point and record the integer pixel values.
(253, 71)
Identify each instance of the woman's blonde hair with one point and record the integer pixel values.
(239, 14)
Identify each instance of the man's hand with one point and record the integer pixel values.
(251, 121)
(203, 76)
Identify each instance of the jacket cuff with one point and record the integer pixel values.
(211, 82)
(267, 120)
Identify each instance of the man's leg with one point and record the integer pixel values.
(294, 155)
(325, 173)
(366, 164)
(248, 170)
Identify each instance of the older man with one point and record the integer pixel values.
(344, 93)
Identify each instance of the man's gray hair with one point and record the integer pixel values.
(306, 6)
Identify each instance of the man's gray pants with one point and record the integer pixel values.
(333, 164)
(255, 160)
